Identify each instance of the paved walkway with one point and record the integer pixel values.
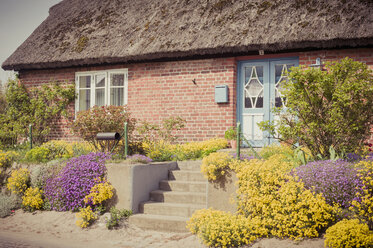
(18, 240)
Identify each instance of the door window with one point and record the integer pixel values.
(260, 87)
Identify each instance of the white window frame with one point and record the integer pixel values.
(107, 87)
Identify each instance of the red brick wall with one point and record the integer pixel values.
(162, 89)
(159, 90)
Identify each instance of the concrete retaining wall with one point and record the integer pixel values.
(222, 195)
(133, 183)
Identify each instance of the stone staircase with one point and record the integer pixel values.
(175, 201)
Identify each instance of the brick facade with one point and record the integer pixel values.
(159, 90)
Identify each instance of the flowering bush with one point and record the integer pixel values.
(64, 149)
(99, 193)
(243, 156)
(102, 119)
(162, 150)
(85, 217)
(56, 149)
(67, 190)
(32, 199)
(363, 205)
(195, 150)
(269, 194)
(138, 158)
(348, 233)
(18, 181)
(215, 165)
(6, 158)
(221, 229)
(336, 180)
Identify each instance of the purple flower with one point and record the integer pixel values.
(242, 156)
(139, 158)
(352, 157)
(336, 180)
(66, 190)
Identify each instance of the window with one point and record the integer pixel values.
(101, 88)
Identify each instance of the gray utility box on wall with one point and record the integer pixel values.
(221, 93)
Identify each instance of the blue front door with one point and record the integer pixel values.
(259, 90)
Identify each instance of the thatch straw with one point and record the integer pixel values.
(91, 32)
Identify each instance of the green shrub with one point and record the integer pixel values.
(349, 233)
(166, 131)
(38, 154)
(3, 102)
(40, 173)
(40, 107)
(9, 203)
(327, 108)
(231, 133)
(116, 216)
(102, 119)
(273, 149)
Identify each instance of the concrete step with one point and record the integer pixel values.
(185, 186)
(184, 175)
(159, 222)
(193, 165)
(178, 197)
(170, 209)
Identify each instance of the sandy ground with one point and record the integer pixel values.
(58, 230)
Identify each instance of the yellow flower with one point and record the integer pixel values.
(17, 182)
(348, 233)
(33, 199)
(85, 217)
(100, 193)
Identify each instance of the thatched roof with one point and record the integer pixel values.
(91, 32)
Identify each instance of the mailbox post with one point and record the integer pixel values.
(116, 136)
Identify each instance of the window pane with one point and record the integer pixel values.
(85, 82)
(117, 96)
(253, 87)
(84, 99)
(100, 97)
(100, 80)
(117, 79)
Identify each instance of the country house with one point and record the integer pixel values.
(212, 62)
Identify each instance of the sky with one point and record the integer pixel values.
(18, 19)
